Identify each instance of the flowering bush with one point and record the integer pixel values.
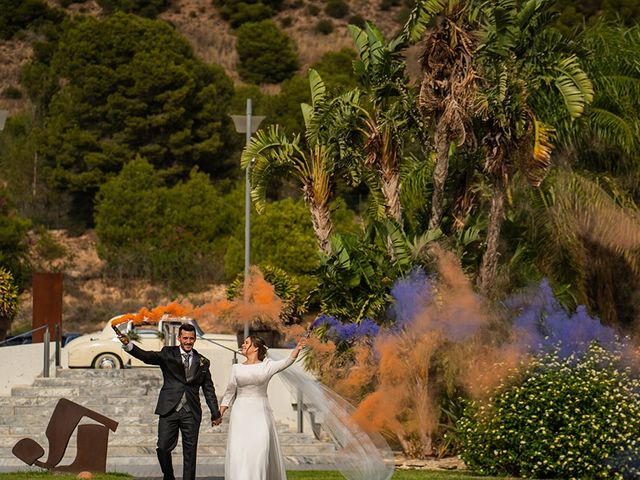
(561, 417)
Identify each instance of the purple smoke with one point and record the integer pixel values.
(412, 295)
(346, 332)
(542, 323)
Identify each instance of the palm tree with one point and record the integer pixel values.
(527, 76)
(607, 137)
(312, 161)
(449, 83)
(388, 115)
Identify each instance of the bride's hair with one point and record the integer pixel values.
(258, 342)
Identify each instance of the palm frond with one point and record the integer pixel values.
(270, 152)
(420, 17)
(318, 88)
(613, 129)
(574, 85)
(541, 155)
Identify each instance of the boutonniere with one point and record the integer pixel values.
(203, 361)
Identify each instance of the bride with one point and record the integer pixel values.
(253, 450)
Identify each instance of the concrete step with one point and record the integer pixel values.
(130, 427)
(142, 372)
(144, 450)
(88, 401)
(77, 391)
(97, 382)
(150, 438)
(43, 420)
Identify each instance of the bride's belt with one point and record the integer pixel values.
(251, 395)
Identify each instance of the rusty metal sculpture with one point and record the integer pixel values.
(91, 440)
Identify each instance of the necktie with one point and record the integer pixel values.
(186, 364)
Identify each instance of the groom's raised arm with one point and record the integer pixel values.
(150, 358)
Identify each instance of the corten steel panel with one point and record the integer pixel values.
(47, 303)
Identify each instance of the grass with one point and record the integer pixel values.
(398, 475)
(293, 475)
(59, 476)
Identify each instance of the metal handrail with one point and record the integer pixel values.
(24, 334)
(235, 352)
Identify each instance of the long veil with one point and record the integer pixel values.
(360, 455)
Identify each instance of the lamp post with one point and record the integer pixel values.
(3, 118)
(247, 124)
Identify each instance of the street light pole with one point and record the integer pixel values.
(3, 118)
(247, 124)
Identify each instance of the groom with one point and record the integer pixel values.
(185, 372)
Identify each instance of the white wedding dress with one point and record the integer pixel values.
(253, 449)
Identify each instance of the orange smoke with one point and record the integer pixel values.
(262, 305)
(450, 346)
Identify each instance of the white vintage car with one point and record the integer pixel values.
(104, 350)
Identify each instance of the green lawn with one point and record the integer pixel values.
(58, 476)
(294, 475)
(399, 475)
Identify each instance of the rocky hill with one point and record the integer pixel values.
(213, 39)
(91, 298)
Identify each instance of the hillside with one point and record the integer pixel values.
(212, 38)
(90, 298)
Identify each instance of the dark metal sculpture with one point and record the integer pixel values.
(92, 440)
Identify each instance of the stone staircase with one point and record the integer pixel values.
(129, 396)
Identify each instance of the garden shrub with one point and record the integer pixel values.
(265, 52)
(357, 20)
(144, 8)
(12, 93)
(576, 416)
(336, 8)
(286, 22)
(9, 301)
(324, 26)
(386, 5)
(245, 12)
(15, 16)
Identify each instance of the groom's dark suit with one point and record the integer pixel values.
(187, 417)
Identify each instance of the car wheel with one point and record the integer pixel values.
(107, 361)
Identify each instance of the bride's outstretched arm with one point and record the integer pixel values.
(275, 366)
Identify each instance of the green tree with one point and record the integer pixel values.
(172, 235)
(26, 14)
(9, 301)
(265, 53)
(14, 247)
(27, 186)
(130, 86)
(281, 236)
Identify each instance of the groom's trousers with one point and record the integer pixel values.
(169, 425)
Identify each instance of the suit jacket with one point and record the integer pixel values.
(176, 383)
